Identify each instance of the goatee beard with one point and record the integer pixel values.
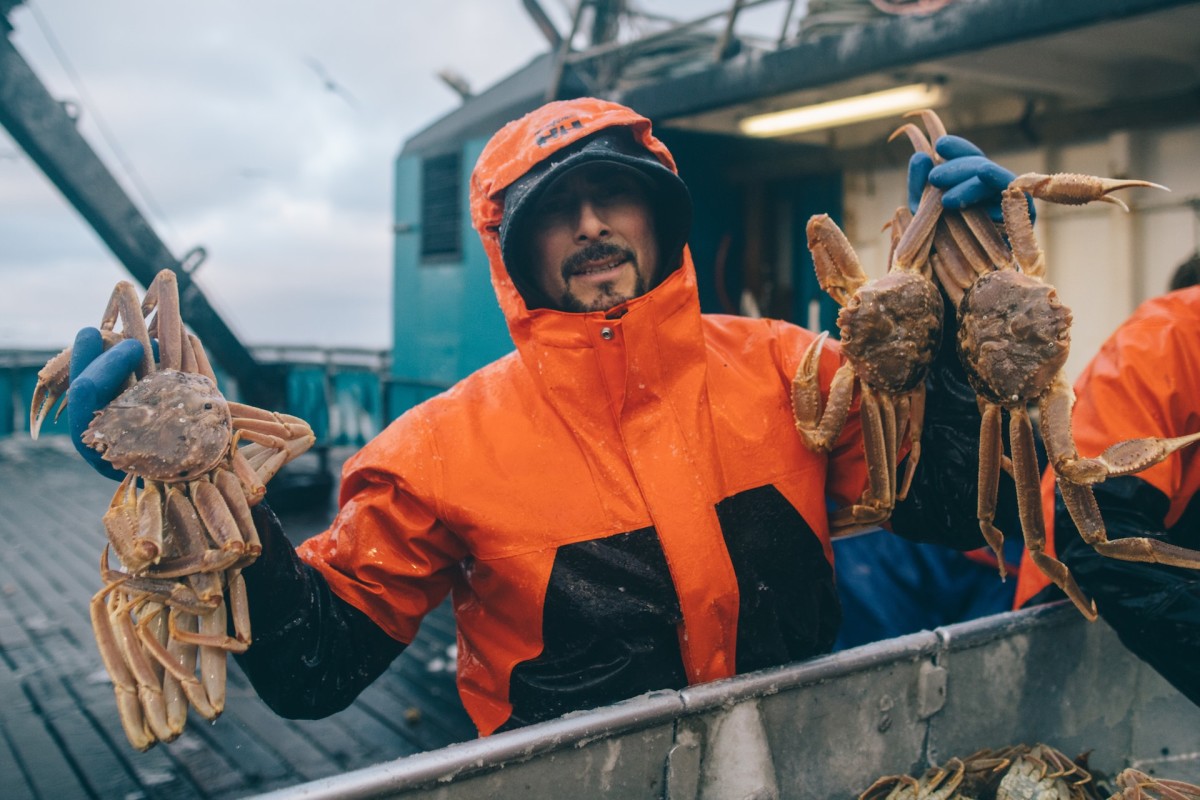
(608, 297)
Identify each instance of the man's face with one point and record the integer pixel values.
(592, 239)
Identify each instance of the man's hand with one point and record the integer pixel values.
(97, 377)
(966, 177)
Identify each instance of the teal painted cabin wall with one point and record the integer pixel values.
(445, 319)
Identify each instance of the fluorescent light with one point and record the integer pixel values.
(844, 112)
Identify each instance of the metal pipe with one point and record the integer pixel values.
(544, 23)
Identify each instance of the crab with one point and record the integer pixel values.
(891, 328)
(1137, 785)
(180, 524)
(1019, 772)
(1041, 772)
(936, 783)
(1013, 341)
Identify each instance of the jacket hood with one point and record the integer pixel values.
(522, 145)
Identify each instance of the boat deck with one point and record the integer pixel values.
(59, 732)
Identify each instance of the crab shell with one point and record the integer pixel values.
(170, 426)
(891, 330)
(1013, 335)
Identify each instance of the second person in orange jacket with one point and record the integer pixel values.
(1144, 381)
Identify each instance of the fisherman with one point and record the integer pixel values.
(622, 504)
(1144, 381)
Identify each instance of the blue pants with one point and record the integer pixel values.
(890, 586)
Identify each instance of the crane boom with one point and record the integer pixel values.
(47, 133)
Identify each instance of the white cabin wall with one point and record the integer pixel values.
(1103, 261)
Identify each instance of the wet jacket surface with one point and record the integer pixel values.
(1145, 381)
(620, 505)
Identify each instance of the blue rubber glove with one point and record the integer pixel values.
(97, 377)
(967, 177)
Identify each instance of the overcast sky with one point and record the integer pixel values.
(222, 110)
(218, 118)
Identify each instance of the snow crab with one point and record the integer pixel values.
(180, 521)
(1137, 785)
(891, 328)
(1013, 340)
(1019, 772)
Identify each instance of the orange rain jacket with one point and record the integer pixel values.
(620, 505)
(1145, 381)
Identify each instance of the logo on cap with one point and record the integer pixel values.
(559, 127)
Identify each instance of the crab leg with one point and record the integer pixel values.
(283, 450)
(218, 519)
(912, 251)
(1076, 474)
(878, 499)
(169, 592)
(162, 296)
(213, 645)
(1063, 188)
(134, 524)
(51, 385)
(888, 412)
(252, 485)
(173, 692)
(285, 435)
(203, 366)
(231, 490)
(1071, 189)
(916, 426)
(239, 605)
(1029, 506)
(128, 706)
(818, 429)
(148, 688)
(991, 450)
(1122, 458)
(176, 657)
(124, 305)
(834, 260)
(153, 632)
(186, 523)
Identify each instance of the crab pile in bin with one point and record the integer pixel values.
(1026, 772)
(1013, 339)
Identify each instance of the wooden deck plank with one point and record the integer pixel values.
(59, 731)
(43, 763)
(81, 742)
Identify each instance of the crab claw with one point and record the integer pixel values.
(1075, 190)
(51, 386)
(838, 270)
(819, 429)
(1123, 458)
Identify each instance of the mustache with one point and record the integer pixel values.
(596, 251)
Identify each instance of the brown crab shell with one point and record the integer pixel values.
(891, 330)
(170, 426)
(1014, 336)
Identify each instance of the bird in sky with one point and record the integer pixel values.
(330, 84)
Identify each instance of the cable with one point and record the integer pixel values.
(101, 126)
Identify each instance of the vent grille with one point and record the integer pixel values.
(441, 207)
